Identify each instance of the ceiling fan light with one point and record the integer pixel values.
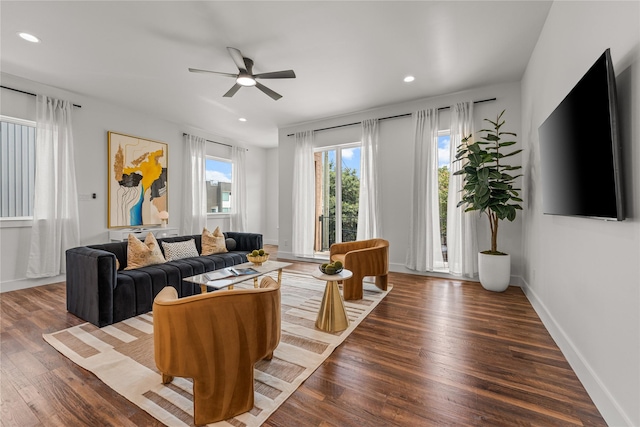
(244, 80)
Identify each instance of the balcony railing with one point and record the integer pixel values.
(328, 229)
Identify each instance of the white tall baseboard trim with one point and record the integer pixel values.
(14, 285)
(609, 408)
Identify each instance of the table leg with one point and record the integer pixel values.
(332, 316)
(203, 288)
(255, 282)
(279, 276)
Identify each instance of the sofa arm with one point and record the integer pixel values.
(245, 241)
(91, 278)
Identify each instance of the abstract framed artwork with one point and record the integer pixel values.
(137, 181)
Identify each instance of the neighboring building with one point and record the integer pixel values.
(218, 196)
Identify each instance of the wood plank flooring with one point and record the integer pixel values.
(434, 352)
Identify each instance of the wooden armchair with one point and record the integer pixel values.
(363, 258)
(216, 338)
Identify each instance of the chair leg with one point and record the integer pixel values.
(382, 282)
(166, 379)
(352, 288)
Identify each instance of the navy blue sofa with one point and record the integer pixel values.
(102, 295)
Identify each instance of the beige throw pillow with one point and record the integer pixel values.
(141, 254)
(213, 243)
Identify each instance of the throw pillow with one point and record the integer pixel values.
(230, 244)
(141, 254)
(178, 250)
(117, 265)
(213, 243)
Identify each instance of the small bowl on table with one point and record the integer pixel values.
(258, 260)
(335, 271)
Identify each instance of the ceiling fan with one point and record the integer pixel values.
(245, 77)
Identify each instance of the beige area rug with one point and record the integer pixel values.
(121, 355)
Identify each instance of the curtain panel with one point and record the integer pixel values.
(369, 199)
(56, 223)
(425, 250)
(194, 191)
(238, 190)
(462, 241)
(303, 198)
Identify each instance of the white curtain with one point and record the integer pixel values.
(462, 243)
(303, 222)
(368, 204)
(425, 250)
(194, 189)
(56, 223)
(238, 190)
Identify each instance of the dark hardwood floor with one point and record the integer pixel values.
(434, 352)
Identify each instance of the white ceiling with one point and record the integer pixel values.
(348, 56)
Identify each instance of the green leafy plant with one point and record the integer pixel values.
(488, 182)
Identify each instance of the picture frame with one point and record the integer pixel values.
(138, 178)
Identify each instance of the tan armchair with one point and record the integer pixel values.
(216, 338)
(363, 258)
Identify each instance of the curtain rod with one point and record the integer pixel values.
(216, 142)
(29, 93)
(390, 117)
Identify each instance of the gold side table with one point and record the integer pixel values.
(332, 316)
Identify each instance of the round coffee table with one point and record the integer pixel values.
(332, 317)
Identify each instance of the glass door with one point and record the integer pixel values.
(337, 171)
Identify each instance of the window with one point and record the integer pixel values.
(218, 177)
(337, 194)
(17, 167)
(444, 141)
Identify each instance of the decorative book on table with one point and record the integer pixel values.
(229, 272)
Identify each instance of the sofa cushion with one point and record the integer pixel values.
(141, 254)
(179, 250)
(213, 243)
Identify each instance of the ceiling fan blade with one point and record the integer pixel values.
(196, 70)
(237, 57)
(268, 91)
(288, 74)
(232, 91)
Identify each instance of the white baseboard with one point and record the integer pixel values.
(609, 408)
(270, 242)
(14, 285)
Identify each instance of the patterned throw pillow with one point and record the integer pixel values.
(141, 254)
(178, 250)
(213, 243)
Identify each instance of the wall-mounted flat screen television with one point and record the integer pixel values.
(580, 149)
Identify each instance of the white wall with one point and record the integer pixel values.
(395, 174)
(583, 275)
(91, 124)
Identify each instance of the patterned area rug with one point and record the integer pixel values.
(121, 355)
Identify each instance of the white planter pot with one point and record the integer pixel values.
(494, 271)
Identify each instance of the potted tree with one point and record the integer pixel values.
(488, 187)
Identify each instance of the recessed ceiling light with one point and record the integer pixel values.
(242, 119)
(409, 79)
(29, 37)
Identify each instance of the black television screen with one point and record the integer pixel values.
(580, 152)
